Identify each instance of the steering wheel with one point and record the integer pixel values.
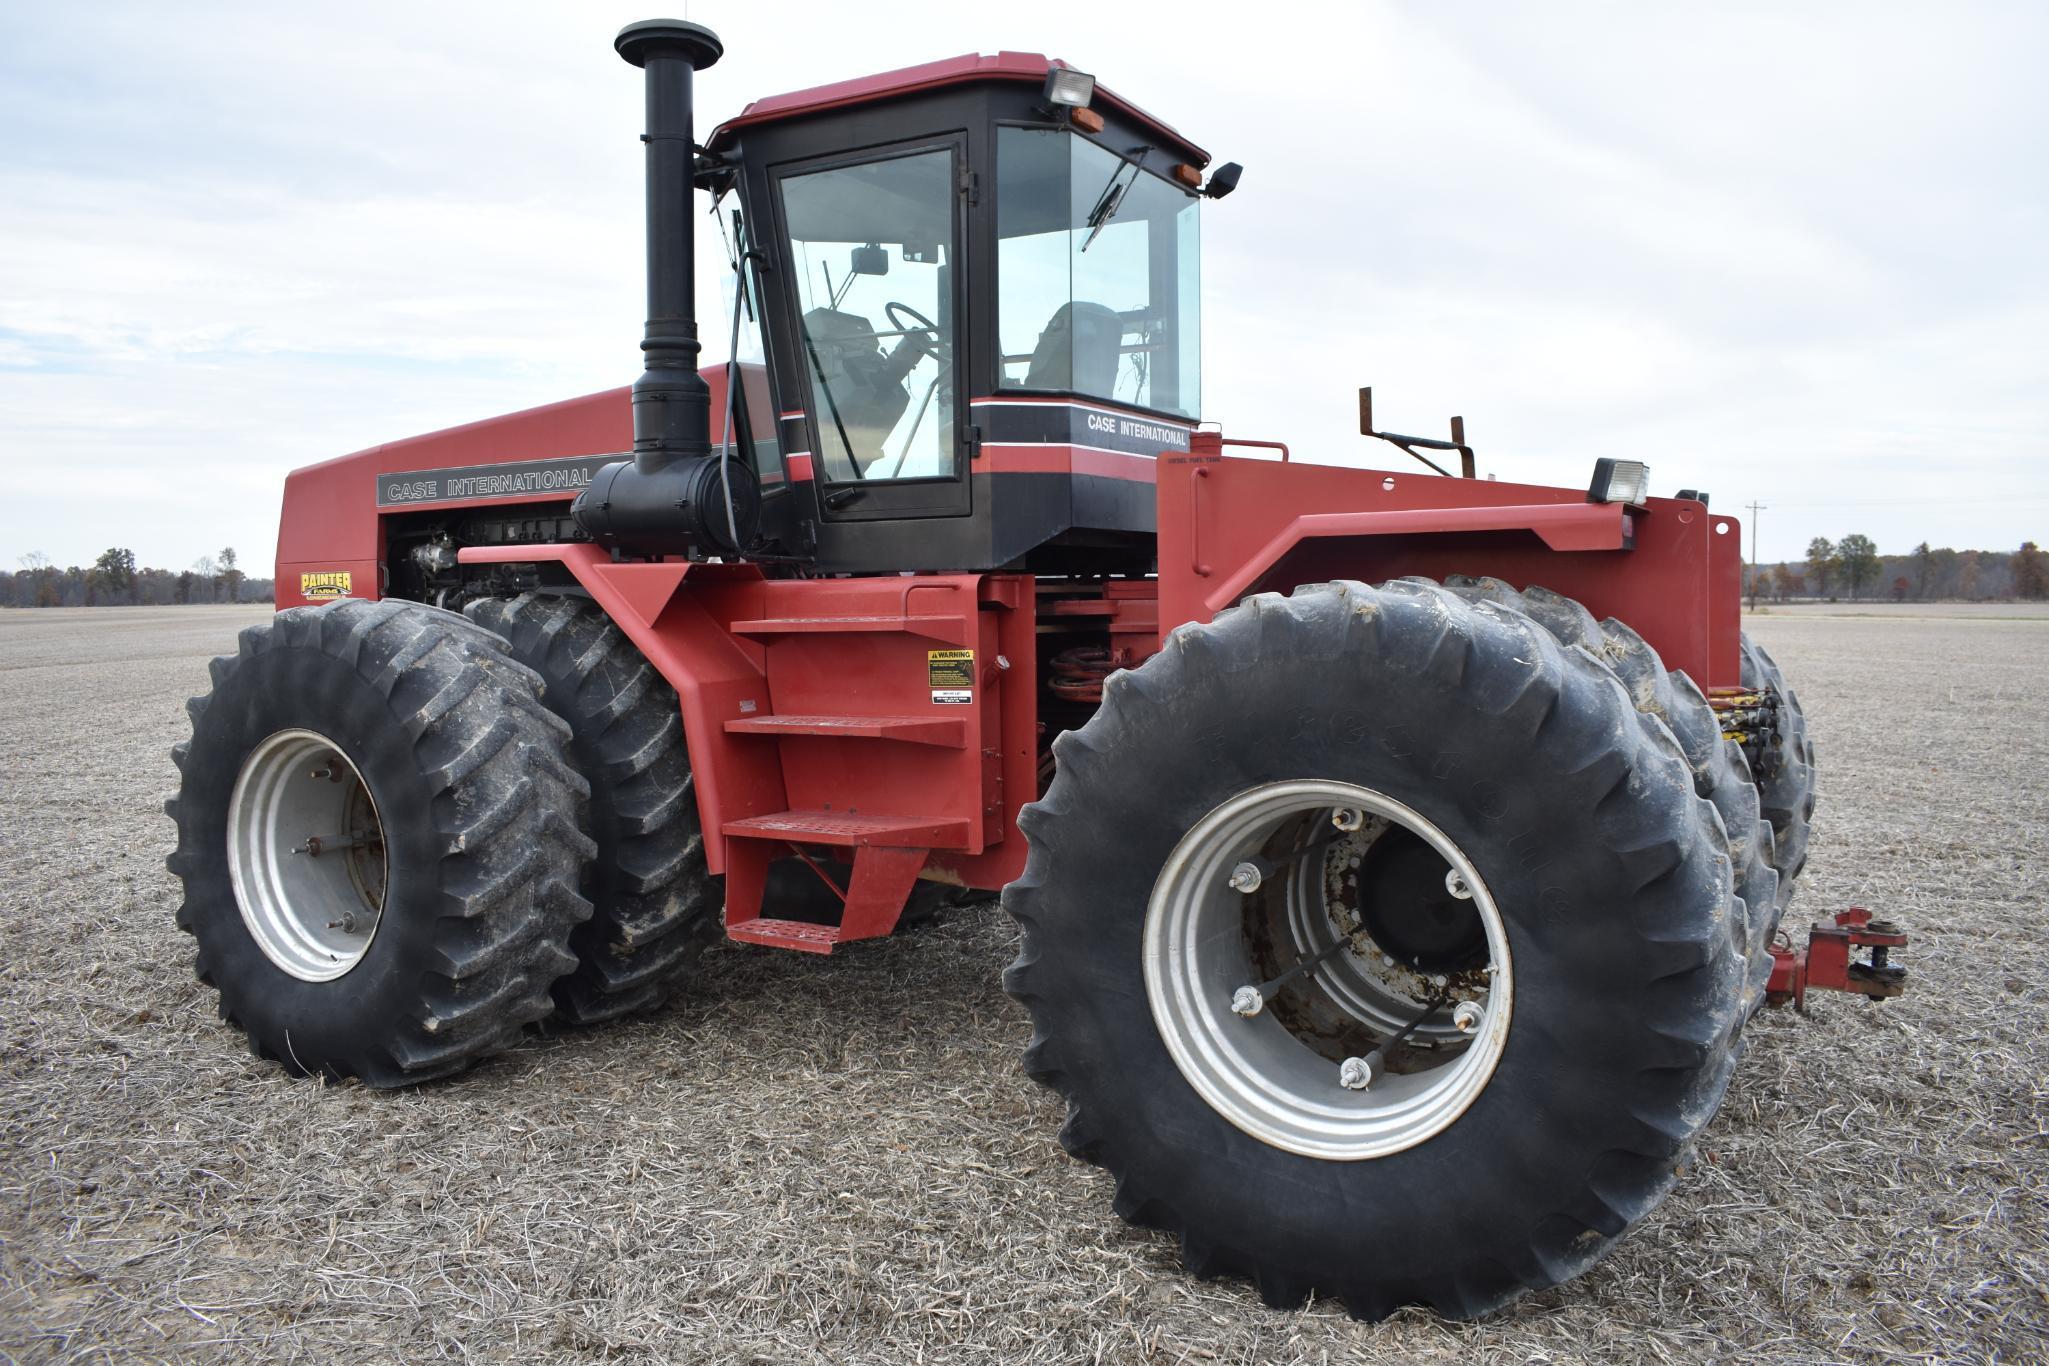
(892, 308)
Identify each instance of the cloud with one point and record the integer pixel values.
(1787, 255)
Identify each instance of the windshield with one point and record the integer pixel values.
(1098, 288)
(872, 247)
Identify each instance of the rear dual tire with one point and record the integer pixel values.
(1634, 963)
(1787, 764)
(1670, 702)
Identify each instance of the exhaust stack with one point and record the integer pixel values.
(675, 495)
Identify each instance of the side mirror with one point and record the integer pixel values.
(1223, 180)
(869, 260)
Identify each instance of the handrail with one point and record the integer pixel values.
(1280, 446)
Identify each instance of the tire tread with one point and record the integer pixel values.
(509, 866)
(655, 903)
(1675, 836)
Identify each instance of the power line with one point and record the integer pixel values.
(1755, 508)
(2021, 500)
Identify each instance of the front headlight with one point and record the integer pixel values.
(1620, 481)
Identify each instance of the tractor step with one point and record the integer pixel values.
(873, 898)
(947, 731)
(847, 828)
(800, 935)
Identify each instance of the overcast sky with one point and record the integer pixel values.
(1792, 254)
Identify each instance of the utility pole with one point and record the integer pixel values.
(1755, 508)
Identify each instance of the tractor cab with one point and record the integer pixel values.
(973, 290)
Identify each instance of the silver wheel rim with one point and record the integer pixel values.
(306, 855)
(1202, 946)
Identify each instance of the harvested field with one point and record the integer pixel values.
(839, 1158)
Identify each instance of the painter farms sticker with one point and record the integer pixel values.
(324, 585)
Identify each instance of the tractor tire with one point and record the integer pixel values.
(376, 840)
(1602, 1026)
(654, 904)
(1721, 773)
(1787, 789)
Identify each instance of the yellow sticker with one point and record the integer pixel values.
(952, 674)
(324, 585)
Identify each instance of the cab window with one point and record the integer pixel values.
(757, 420)
(1098, 287)
(872, 248)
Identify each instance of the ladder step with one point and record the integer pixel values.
(949, 731)
(948, 628)
(840, 827)
(786, 934)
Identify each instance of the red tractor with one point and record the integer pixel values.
(1388, 920)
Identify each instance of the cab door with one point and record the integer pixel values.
(871, 250)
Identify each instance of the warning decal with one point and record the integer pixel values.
(952, 675)
(324, 585)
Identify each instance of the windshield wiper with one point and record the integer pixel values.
(1112, 197)
(832, 406)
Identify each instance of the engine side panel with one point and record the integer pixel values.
(335, 513)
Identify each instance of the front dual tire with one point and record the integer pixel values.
(1477, 1165)
(377, 841)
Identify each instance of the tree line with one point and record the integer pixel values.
(114, 580)
(1852, 568)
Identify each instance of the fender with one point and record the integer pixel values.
(1231, 526)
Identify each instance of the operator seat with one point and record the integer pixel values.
(1079, 350)
(857, 387)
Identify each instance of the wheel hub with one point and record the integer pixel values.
(1349, 1001)
(306, 855)
(1408, 908)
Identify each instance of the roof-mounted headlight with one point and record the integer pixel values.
(1068, 89)
(1620, 481)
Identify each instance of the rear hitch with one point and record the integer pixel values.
(1824, 963)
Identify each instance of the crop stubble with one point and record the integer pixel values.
(840, 1157)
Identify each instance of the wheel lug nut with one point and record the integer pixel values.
(1467, 1016)
(1247, 1001)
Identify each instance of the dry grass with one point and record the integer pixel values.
(840, 1159)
